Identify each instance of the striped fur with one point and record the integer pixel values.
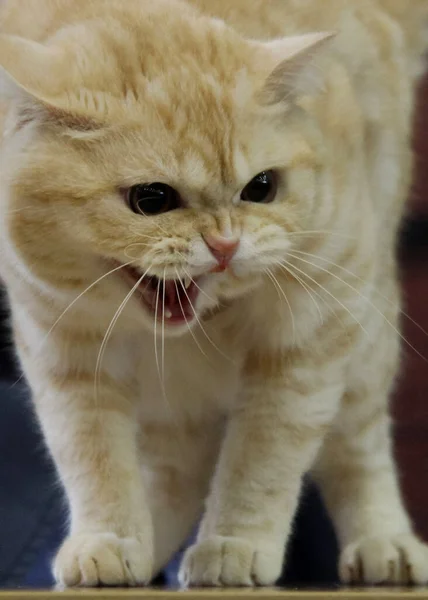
(289, 364)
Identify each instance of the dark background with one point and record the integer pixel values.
(411, 400)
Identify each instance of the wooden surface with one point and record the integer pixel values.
(256, 594)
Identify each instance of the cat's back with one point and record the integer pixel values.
(367, 29)
(37, 20)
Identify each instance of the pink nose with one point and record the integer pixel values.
(223, 249)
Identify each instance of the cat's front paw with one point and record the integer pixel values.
(91, 560)
(398, 560)
(231, 562)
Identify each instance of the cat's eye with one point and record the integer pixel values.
(262, 189)
(152, 198)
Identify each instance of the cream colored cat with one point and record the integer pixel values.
(199, 205)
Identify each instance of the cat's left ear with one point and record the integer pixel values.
(296, 71)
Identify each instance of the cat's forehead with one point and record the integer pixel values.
(192, 128)
(181, 98)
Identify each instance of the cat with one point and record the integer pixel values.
(199, 206)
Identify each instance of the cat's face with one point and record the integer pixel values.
(190, 176)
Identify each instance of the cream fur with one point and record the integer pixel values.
(289, 364)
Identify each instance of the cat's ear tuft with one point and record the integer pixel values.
(37, 78)
(30, 69)
(296, 71)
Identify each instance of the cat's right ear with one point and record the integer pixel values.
(30, 69)
(39, 79)
(295, 71)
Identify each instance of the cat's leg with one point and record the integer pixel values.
(272, 439)
(358, 478)
(93, 440)
(178, 459)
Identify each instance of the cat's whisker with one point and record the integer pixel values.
(292, 234)
(363, 297)
(267, 271)
(202, 327)
(282, 293)
(195, 339)
(166, 233)
(134, 258)
(141, 244)
(310, 291)
(69, 307)
(25, 208)
(108, 334)
(332, 296)
(375, 290)
(144, 235)
(163, 328)
(155, 340)
(153, 253)
(198, 286)
(191, 278)
(291, 270)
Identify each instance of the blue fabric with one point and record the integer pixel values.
(31, 506)
(33, 515)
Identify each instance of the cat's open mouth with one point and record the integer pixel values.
(170, 300)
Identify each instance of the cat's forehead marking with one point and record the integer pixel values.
(205, 149)
(241, 165)
(194, 170)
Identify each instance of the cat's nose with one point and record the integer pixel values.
(223, 249)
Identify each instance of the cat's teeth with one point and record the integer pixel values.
(187, 282)
(168, 313)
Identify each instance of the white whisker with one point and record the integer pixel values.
(26, 208)
(360, 279)
(163, 328)
(145, 236)
(310, 291)
(197, 286)
(292, 234)
(108, 333)
(354, 289)
(70, 306)
(155, 339)
(282, 293)
(290, 269)
(187, 322)
(202, 328)
(326, 291)
(153, 253)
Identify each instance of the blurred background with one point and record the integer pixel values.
(411, 398)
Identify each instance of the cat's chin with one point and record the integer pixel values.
(170, 302)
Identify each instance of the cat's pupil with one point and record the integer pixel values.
(261, 189)
(152, 199)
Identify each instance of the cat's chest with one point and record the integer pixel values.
(193, 377)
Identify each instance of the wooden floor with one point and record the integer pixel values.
(255, 594)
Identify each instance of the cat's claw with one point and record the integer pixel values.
(102, 559)
(232, 562)
(399, 560)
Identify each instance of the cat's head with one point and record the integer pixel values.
(164, 141)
